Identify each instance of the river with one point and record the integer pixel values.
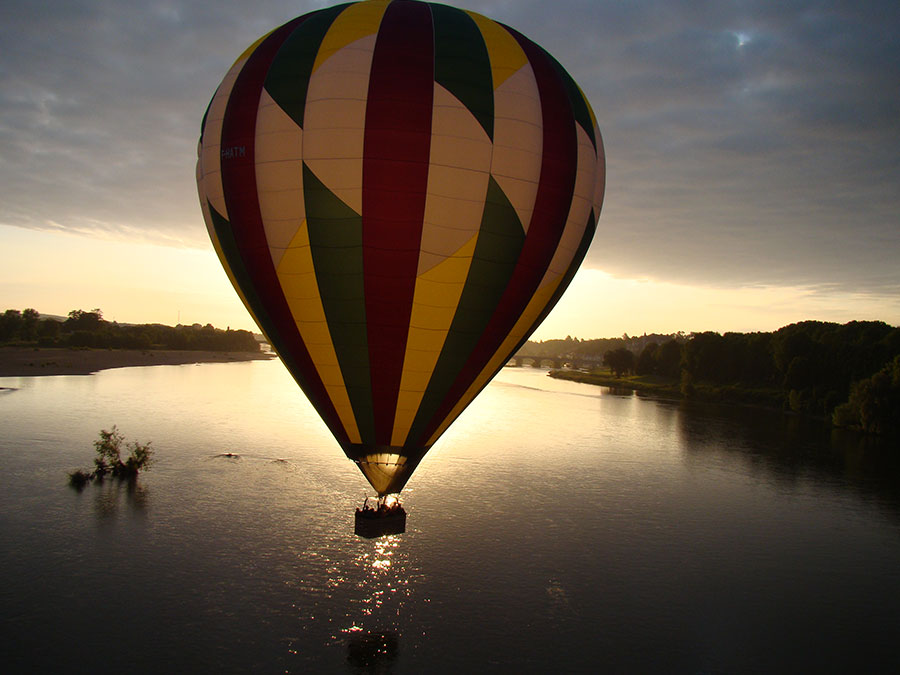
(555, 527)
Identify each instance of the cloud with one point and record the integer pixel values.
(749, 147)
(748, 143)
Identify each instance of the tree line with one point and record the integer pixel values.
(849, 372)
(592, 349)
(88, 329)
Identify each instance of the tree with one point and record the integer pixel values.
(30, 320)
(793, 341)
(668, 359)
(874, 403)
(48, 330)
(757, 365)
(800, 374)
(82, 320)
(705, 357)
(646, 363)
(10, 324)
(620, 361)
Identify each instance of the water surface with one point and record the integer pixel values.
(554, 526)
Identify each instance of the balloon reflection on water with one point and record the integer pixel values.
(373, 637)
(384, 585)
(359, 602)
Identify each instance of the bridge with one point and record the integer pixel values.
(555, 362)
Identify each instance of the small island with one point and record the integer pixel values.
(84, 343)
(109, 460)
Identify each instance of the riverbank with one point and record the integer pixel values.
(31, 362)
(659, 387)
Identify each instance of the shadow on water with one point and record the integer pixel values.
(373, 652)
(789, 449)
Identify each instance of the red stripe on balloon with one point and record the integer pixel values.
(239, 183)
(551, 209)
(395, 177)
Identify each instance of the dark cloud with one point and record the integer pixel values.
(748, 142)
(101, 106)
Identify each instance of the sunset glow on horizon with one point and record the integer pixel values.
(138, 282)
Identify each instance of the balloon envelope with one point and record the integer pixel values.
(400, 192)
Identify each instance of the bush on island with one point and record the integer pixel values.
(109, 459)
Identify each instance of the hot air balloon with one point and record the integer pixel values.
(400, 192)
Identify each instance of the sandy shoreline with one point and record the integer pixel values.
(29, 362)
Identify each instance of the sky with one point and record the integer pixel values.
(753, 158)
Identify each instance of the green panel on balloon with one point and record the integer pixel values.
(233, 257)
(335, 238)
(288, 79)
(462, 64)
(500, 241)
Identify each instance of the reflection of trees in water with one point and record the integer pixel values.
(621, 391)
(111, 494)
(375, 652)
(791, 448)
